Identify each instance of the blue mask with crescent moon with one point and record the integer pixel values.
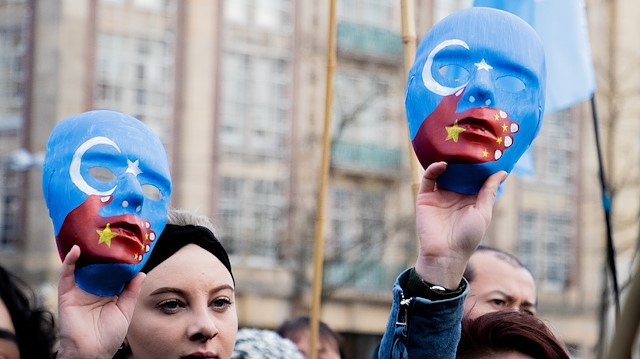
(475, 95)
(107, 184)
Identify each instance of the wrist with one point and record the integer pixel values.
(441, 271)
(417, 287)
(70, 351)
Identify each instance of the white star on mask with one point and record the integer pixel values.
(132, 167)
(483, 65)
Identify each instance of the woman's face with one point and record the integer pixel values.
(186, 309)
(8, 345)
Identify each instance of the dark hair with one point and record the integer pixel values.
(505, 331)
(292, 329)
(35, 326)
(470, 272)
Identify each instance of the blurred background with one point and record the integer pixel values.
(235, 89)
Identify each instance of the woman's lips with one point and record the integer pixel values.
(199, 355)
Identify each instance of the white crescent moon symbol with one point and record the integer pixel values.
(74, 168)
(427, 78)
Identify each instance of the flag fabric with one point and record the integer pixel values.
(562, 26)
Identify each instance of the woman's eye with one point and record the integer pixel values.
(170, 306)
(221, 303)
(498, 302)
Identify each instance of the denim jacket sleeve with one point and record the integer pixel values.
(421, 328)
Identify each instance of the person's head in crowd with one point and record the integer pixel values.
(508, 335)
(25, 331)
(498, 281)
(298, 331)
(258, 344)
(186, 306)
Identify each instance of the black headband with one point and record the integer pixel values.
(174, 237)
(7, 335)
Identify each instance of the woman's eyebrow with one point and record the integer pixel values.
(221, 288)
(163, 290)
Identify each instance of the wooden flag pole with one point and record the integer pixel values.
(318, 252)
(409, 50)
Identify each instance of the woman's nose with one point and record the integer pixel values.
(202, 327)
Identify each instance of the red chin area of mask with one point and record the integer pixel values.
(123, 238)
(477, 135)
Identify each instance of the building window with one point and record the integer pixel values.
(355, 245)
(9, 207)
(253, 213)
(555, 254)
(13, 44)
(544, 246)
(528, 235)
(358, 223)
(255, 117)
(272, 14)
(134, 73)
(378, 13)
(362, 104)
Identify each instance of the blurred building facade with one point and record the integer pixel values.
(235, 89)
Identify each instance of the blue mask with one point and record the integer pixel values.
(475, 95)
(107, 184)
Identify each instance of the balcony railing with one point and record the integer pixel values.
(365, 158)
(369, 40)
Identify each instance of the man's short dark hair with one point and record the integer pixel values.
(292, 329)
(470, 272)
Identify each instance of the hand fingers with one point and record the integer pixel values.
(487, 194)
(127, 299)
(67, 278)
(432, 172)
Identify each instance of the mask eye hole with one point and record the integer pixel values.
(453, 75)
(102, 174)
(152, 192)
(510, 84)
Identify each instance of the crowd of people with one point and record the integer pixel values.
(178, 300)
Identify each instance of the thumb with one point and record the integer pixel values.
(127, 299)
(487, 194)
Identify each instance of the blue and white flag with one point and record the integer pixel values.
(562, 26)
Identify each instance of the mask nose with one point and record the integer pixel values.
(129, 194)
(480, 90)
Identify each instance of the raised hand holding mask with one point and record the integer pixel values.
(475, 95)
(107, 184)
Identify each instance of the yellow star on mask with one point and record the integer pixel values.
(485, 153)
(106, 235)
(453, 131)
(497, 117)
(499, 140)
(504, 128)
